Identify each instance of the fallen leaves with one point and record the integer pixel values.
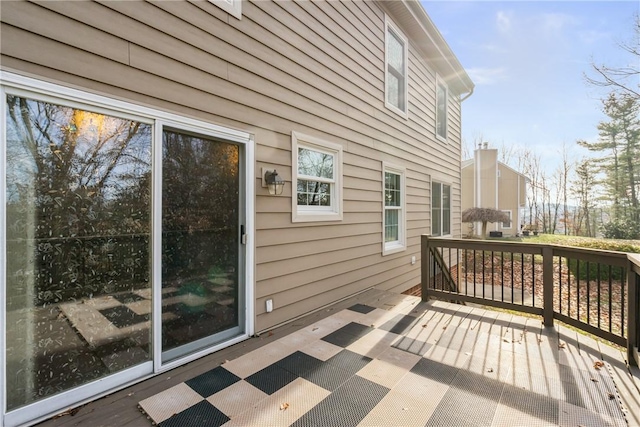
(284, 406)
(490, 370)
(598, 365)
(612, 396)
(562, 345)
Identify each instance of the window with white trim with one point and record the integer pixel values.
(507, 224)
(440, 209)
(317, 179)
(442, 96)
(232, 7)
(396, 49)
(394, 220)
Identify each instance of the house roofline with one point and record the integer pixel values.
(413, 19)
(513, 170)
(469, 162)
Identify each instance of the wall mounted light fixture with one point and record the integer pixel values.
(274, 183)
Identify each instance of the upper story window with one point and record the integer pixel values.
(233, 7)
(317, 177)
(442, 96)
(394, 222)
(440, 209)
(396, 48)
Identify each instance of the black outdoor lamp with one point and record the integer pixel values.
(274, 182)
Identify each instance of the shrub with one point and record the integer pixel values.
(580, 270)
(627, 246)
(621, 229)
(617, 273)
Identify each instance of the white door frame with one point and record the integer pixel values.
(45, 408)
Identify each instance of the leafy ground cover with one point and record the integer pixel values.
(599, 301)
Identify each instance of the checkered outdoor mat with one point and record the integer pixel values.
(365, 366)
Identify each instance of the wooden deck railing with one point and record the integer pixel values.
(594, 290)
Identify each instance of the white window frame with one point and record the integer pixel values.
(400, 244)
(316, 213)
(32, 88)
(389, 25)
(441, 85)
(232, 7)
(440, 232)
(510, 213)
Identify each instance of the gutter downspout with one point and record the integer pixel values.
(475, 162)
(467, 95)
(478, 183)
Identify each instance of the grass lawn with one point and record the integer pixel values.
(632, 246)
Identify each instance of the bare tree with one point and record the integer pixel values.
(507, 153)
(583, 189)
(563, 184)
(529, 164)
(623, 78)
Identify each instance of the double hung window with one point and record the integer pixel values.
(395, 69)
(394, 228)
(508, 223)
(442, 95)
(317, 167)
(440, 209)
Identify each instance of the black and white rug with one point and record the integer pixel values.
(366, 366)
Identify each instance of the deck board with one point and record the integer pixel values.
(453, 331)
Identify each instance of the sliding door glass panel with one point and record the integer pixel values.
(200, 247)
(78, 188)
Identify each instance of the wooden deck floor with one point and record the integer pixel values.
(121, 408)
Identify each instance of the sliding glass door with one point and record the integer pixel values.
(200, 242)
(121, 244)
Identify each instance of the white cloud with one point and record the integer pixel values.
(503, 21)
(486, 76)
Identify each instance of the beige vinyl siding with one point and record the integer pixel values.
(468, 187)
(310, 67)
(512, 194)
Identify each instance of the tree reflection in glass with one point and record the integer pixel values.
(200, 205)
(315, 178)
(78, 220)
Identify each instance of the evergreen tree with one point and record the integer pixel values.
(619, 146)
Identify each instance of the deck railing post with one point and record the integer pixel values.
(633, 282)
(547, 286)
(425, 265)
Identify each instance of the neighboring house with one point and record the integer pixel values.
(138, 231)
(489, 183)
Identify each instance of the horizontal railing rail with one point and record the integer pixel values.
(594, 290)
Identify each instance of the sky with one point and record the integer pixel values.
(528, 60)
